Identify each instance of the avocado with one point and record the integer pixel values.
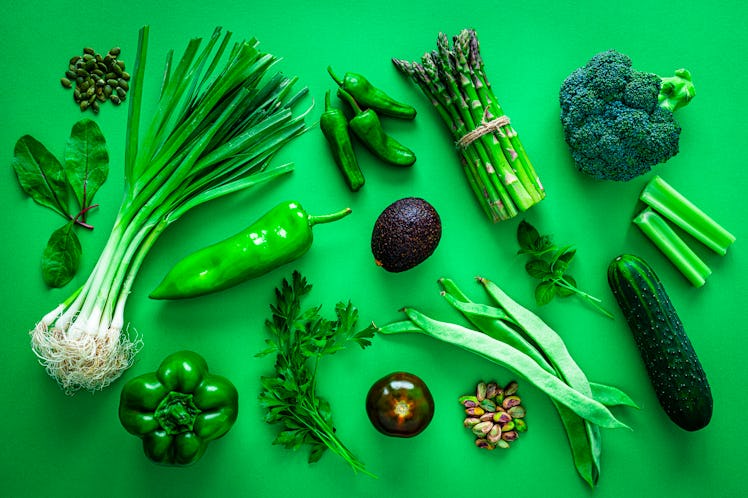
(405, 234)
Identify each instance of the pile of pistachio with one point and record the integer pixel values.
(95, 79)
(494, 415)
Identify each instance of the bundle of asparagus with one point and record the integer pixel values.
(495, 163)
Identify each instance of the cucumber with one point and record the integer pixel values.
(673, 368)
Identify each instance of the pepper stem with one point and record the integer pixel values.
(334, 77)
(327, 101)
(327, 218)
(351, 101)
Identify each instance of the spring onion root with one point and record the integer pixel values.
(214, 132)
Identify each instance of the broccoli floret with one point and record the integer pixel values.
(617, 121)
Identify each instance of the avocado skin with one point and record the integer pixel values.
(405, 234)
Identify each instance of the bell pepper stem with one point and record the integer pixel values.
(327, 218)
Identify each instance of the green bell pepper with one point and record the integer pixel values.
(178, 409)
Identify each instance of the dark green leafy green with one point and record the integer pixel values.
(549, 263)
(300, 338)
(62, 256)
(52, 184)
(41, 175)
(86, 161)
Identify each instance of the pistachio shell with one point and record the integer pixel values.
(468, 401)
(488, 405)
(517, 411)
(480, 391)
(482, 443)
(502, 417)
(482, 428)
(475, 411)
(494, 435)
(470, 422)
(509, 435)
(510, 401)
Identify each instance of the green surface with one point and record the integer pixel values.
(55, 445)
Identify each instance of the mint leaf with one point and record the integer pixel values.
(537, 268)
(527, 236)
(545, 292)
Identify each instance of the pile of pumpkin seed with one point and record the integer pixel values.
(95, 79)
(494, 415)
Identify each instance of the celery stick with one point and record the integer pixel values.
(674, 206)
(676, 250)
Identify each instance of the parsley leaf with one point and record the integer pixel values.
(299, 338)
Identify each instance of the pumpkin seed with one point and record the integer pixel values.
(96, 78)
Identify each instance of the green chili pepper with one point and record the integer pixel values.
(367, 127)
(370, 97)
(280, 236)
(178, 409)
(334, 126)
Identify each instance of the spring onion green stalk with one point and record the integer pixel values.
(671, 204)
(492, 156)
(673, 247)
(221, 117)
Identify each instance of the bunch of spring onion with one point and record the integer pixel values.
(220, 118)
(493, 158)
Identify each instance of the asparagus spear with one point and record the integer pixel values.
(495, 163)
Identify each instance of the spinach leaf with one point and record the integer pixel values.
(62, 256)
(86, 161)
(40, 175)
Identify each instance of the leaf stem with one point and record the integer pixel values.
(594, 301)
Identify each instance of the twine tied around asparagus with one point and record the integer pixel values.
(483, 128)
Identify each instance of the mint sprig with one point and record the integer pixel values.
(549, 263)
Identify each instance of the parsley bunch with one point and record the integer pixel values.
(549, 264)
(300, 339)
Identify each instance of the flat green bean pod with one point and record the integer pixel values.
(513, 360)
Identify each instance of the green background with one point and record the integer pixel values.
(55, 445)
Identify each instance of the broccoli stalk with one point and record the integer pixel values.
(676, 91)
(617, 121)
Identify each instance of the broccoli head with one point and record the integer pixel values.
(617, 121)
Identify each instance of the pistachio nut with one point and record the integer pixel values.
(488, 405)
(509, 435)
(510, 401)
(470, 422)
(494, 435)
(511, 388)
(480, 391)
(482, 428)
(517, 411)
